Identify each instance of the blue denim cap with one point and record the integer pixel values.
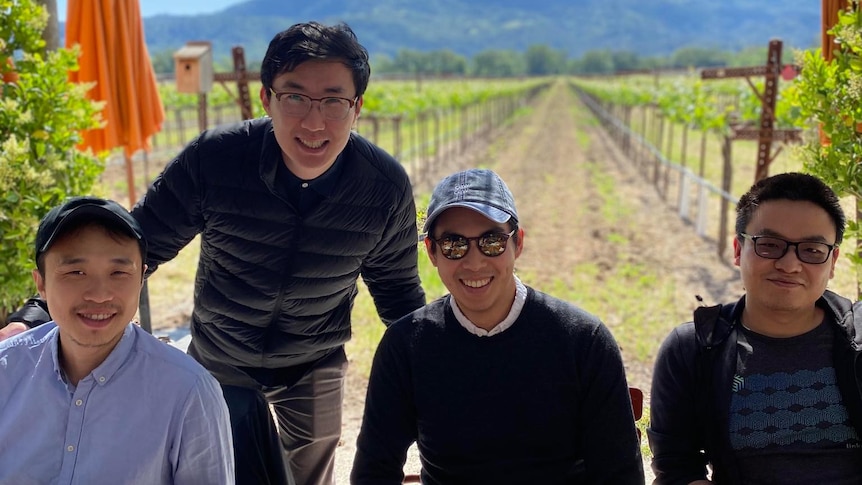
(92, 209)
(478, 189)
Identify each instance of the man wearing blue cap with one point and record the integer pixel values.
(90, 397)
(495, 382)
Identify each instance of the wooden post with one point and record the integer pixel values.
(242, 82)
(241, 76)
(627, 137)
(202, 112)
(683, 161)
(767, 113)
(437, 156)
(666, 181)
(726, 179)
(130, 179)
(701, 191)
(765, 133)
(51, 34)
(465, 125)
(396, 123)
(829, 18)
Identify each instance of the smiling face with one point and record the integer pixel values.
(92, 282)
(311, 143)
(482, 286)
(785, 289)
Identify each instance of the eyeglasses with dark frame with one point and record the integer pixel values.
(456, 246)
(771, 247)
(298, 105)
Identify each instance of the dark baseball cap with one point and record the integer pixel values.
(91, 209)
(478, 189)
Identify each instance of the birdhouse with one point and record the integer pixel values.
(193, 67)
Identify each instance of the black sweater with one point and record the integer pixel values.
(545, 401)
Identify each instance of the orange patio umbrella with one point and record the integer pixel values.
(114, 55)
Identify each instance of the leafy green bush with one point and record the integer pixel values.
(41, 115)
(829, 97)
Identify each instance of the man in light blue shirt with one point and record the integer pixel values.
(92, 398)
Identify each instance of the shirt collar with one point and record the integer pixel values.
(514, 313)
(271, 163)
(323, 184)
(106, 370)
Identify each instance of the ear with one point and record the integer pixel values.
(835, 254)
(265, 100)
(737, 251)
(358, 107)
(432, 254)
(520, 242)
(40, 283)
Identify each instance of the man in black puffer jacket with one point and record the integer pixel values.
(291, 210)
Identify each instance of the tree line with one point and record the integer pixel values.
(537, 60)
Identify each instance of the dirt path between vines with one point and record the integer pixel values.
(549, 158)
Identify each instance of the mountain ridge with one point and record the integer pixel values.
(653, 28)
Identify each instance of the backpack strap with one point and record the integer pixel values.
(856, 330)
(853, 402)
(713, 325)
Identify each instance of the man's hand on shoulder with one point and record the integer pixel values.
(13, 328)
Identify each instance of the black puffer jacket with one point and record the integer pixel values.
(274, 289)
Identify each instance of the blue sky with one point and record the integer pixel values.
(175, 7)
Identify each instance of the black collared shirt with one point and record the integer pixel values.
(305, 195)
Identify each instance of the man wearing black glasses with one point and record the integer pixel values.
(767, 390)
(496, 382)
(291, 209)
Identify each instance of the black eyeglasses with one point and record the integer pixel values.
(771, 247)
(298, 105)
(491, 244)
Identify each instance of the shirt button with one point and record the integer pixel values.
(70, 448)
(79, 402)
(305, 185)
(102, 379)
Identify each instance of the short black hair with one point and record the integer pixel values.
(314, 41)
(791, 186)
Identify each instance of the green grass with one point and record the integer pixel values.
(642, 426)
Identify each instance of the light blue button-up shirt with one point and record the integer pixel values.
(149, 414)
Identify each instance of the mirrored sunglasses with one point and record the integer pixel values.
(456, 246)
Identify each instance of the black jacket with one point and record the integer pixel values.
(274, 288)
(691, 389)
